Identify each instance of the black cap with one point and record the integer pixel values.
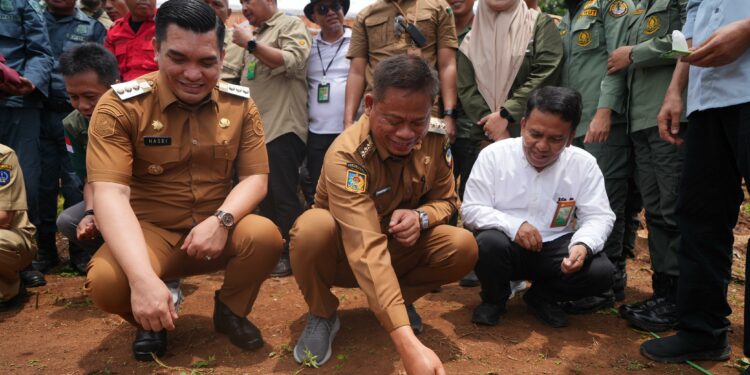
(309, 8)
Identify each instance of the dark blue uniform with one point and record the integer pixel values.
(25, 45)
(64, 33)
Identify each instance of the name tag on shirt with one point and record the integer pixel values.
(563, 213)
(157, 141)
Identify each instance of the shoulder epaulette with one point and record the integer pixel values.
(236, 90)
(437, 125)
(131, 89)
(366, 148)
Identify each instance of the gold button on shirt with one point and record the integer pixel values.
(177, 159)
(361, 185)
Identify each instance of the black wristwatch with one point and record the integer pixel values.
(589, 251)
(506, 115)
(225, 219)
(450, 112)
(252, 44)
(88, 212)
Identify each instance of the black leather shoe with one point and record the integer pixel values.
(415, 321)
(548, 312)
(469, 281)
(147, 342)
(241, 332)
(283, 267)
(487, 314)
(681, 347)
(32, 278)
(590, 304)
(662, 316)
(15, 302)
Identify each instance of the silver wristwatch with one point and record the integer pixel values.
(424, 220)
(225, 219)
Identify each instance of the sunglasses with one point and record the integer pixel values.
(322, 9)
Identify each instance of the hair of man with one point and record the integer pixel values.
(562, 101)
(406, 72)
(90, 57)
(193, 15)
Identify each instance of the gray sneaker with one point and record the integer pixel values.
(317, 339)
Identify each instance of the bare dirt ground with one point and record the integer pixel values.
(59, 331)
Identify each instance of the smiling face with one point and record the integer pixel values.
(461, 7)
(400, 120)
(332, 22)
(141, 10)
(84, 90)
(190, 63)
(545, 136)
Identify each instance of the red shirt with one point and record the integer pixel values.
(134, 51)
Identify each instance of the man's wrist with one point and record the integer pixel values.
(423, 219)
(589, 251)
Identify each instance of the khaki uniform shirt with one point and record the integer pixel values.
(281, 93)
(374, 37)
(649, 76)
(596, 29)
(231, 70)
(178, 160)
(361, 185)
(13, 197)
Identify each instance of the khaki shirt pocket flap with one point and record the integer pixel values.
(377, 30)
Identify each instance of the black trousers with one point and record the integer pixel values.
(465, 152)
(717, 157)
(282, 205)
(317, 145)
(502, 260)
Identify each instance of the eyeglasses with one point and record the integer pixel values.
(322, 9)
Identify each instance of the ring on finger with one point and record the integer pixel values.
(207, 257)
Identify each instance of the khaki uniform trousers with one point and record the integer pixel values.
(252, 250)
(15, 255)
(442, 255)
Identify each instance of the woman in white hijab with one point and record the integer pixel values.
(510, 51)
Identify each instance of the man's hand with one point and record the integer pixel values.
(450, 128)
(528, 237)
(404, 227)
(25, 88)
(575, 259)
(152, 305)
(417, 358)
(669, 118)
(206, 240)
(619, 59)
(242, 34)
(599, 128)
(722, 47)
(87, 228)
(495, 126)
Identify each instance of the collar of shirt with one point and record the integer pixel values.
(271, 22)
(126, 21)
(347, 34)
(167, 97)
(77, 15)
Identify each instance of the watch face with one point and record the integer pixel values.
(227, 219)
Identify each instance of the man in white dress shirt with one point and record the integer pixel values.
(540, 212)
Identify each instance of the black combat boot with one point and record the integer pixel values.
(661, 314)
(620, 279)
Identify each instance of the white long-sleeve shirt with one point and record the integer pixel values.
(504, 191)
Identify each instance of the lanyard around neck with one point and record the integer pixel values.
(325, 69)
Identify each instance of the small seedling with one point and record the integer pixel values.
(205, 362)
(310, 360)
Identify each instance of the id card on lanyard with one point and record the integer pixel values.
(324, 89)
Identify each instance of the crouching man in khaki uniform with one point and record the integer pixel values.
(385, 192)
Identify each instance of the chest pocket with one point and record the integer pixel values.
(10, 24)
(155, 160)
(656, 24)
(585, 34)
(224, 156)
(428, 27)
(378, 30)
(148, 62)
